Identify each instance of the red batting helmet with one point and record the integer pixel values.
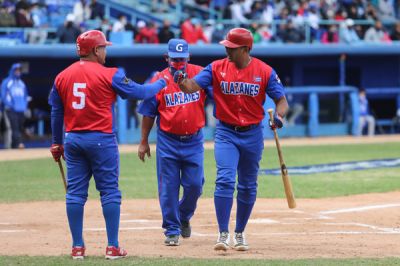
(238, 37)
(90, 40)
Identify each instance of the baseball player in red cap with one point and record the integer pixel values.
(82, 99)
(240, 85)
(180, 152)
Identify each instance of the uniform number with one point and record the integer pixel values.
(80, 94)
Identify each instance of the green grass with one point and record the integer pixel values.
(25, 260)
(34, 180)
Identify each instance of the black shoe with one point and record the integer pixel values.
(172, 240)
(186, 229)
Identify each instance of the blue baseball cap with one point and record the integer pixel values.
(178, 48)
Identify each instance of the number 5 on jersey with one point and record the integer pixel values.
(80, 94)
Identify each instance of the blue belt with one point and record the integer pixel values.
(239, 128)
(181, 137)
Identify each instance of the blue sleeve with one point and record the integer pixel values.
(129, 89)
(57, 116)
(275, 88)
(204, 78)
(210, 92)
(149, 107)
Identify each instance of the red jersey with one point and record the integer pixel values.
(240, 93)
(179, 113)
(85, 89)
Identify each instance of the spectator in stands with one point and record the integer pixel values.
(165, 33)
(208, 29)
(237, 11)
(365, 114)
(68, 32)
(370, 12)
(105, 27)
(40, 23)
(23, 17)
(192, 31)
(14, 96)
(253, 28)
(289, 33)
(147, 33)
(159, 6)
(96, 10)
(376, 33)
(81, 12)
(347, 32)
(218, 33)
(266, 33)
(331, 35)
(386, 10)
(199, 33)
(395, 36)
(220, 5)
(120, 24)
(7, 19)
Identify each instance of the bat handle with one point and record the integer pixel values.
(62, 174)
(271, 114)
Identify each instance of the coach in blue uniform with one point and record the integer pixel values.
(180, 151)
(15, 99)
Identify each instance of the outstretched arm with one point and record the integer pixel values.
(129, 89)
(201, 81)
(186, 85)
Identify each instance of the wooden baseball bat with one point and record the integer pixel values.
(62, 175)
(285, 176)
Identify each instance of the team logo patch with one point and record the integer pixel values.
(278, 79)
(126, 80)
(223, 74)
(257, 79)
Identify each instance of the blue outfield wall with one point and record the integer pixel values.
(375, 67)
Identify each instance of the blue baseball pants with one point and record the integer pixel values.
(236, 152)
(87, 154)
(179, 163)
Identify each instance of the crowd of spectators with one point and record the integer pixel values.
(279, 21)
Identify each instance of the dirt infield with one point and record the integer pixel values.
(344, 227)
(356, 226)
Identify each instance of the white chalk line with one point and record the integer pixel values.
(361, 209)
(15, 231)
(373, 227)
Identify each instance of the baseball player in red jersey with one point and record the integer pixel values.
(180, 152)
(82, 99)
(240, 84)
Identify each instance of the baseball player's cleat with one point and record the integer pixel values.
(222, 242)
(113, 253)
(186, 229)
(240, 243)
(172, 240)
(78, 253)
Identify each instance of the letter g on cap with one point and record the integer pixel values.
(179, 47)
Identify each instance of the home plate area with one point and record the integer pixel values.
(345, 227)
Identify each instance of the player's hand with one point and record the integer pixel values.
(57, 151)
(277, 123)
(144, 149)
(179, 76)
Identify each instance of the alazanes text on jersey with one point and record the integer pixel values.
(179, 98)
(240, 88)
